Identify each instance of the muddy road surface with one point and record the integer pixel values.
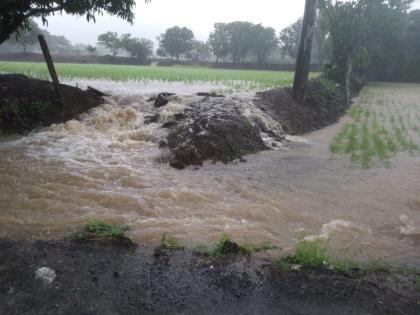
(91, 279)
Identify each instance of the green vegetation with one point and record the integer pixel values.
(234, 79)
(313, 255)
(103, 230)
(381, 127)
(226, 247)
(16, 17)
(15, 117)
(170, 243)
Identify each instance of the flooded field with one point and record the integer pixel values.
(106, 167)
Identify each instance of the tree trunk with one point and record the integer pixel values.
(3, 36)
(348, 79)
(303, 61)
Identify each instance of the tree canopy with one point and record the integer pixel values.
(219, 41)
(176, 41)
(373, 35)
(240, 39)
(112, 41)
(28, 36)
(15, 14)
(140, 48)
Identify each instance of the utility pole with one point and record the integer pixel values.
(51, 68)
(303, 61)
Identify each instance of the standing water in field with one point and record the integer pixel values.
(107, 166)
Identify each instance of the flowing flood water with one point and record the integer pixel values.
(106, 167)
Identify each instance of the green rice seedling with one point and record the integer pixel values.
(336, 145)
(233, 79)
(365, 147)
(380, 147)
(391, 144)
(352, 143)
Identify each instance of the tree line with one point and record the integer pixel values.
(365, 39)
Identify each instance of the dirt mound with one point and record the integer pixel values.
(324, 105)
(27, 103)
(93, 279)
(213, 129)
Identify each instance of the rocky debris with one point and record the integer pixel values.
(151, 119)
(27, 103)
(217, 129)
(209, 94)
(92, 90)
(46, 275)
(162, 99)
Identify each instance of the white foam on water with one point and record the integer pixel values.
(409, 226)
(336, 226)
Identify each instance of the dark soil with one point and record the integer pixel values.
(101, 279)
(324, 105)
(27, 103)
(212, 129)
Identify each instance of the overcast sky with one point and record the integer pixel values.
(199, 15)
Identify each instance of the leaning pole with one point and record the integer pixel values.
(303, 61)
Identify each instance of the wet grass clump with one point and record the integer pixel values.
(170, 243)
(226, 247)
(101, 229)
(313, 255)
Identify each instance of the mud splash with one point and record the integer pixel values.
(107, 166)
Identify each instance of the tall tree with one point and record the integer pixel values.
(177, 41)
(219, 41)
(200, 51)
(264, 41)
(28, 36)
(290, 38)
(91, 49)
(303, 61)
(112, 41)
(240, 40)
(15, 14)
(140, 48)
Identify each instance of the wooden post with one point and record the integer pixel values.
(51, 68)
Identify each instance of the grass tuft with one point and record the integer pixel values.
(170, 243)
(103, 230)
(313, 255)
(226, 247)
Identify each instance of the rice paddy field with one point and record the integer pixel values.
(384, 121)
(229, 80)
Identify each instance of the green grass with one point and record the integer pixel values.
(231, 79)
(313, 255)
(103, 230)
(226, 247)
(170, 243)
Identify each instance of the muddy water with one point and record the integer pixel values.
(106, 167)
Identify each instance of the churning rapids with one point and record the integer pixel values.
(106, 166)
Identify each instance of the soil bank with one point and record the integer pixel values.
(99, 279)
